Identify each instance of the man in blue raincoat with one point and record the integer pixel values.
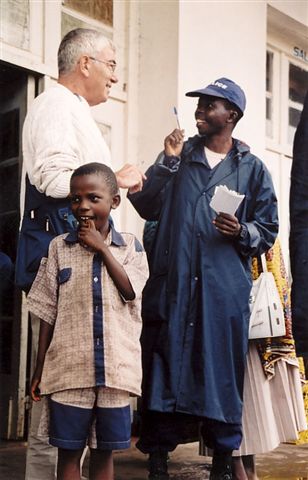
(196, 301)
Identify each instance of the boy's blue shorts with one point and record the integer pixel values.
(98, 417)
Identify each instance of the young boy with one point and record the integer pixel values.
(87, 294)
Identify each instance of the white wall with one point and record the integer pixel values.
(158, 73)
(297, 9)
(224, 39)
(152, 85)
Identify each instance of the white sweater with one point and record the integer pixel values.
(60, 135)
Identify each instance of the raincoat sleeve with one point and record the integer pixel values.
(260, 225)
(149, 201)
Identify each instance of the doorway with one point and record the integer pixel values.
(13, 324)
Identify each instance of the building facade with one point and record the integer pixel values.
(164, 48)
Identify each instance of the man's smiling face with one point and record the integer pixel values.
(101, 76)
(212, 115)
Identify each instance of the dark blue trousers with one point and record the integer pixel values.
(164, 431)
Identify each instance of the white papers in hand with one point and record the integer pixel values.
(225, 200)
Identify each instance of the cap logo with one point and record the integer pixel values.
(219, 84)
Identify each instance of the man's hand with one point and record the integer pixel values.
(174, 143)
(129, 176)
(227, 224)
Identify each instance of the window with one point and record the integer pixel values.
(269, 94)
(298, 85)
(286, 87)
(101, 10)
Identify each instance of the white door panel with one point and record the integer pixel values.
(110, 119)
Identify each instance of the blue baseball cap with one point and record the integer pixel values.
(223, 88)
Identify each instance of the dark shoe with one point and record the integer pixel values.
(158, 468)
(221, 466)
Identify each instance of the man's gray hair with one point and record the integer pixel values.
(78, 42)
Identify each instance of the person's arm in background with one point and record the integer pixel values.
(6, 271)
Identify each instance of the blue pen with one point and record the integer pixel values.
(176, 116)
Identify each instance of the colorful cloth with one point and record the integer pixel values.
(303, 436)
(274, 348)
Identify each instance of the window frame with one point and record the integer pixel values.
(278, 141)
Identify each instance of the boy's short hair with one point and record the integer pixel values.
(96, 168)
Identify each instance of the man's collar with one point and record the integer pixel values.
(241, 147)
(238, 145)
(116, 237)
(193, 144)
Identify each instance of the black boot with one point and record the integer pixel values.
(158, 469)
(221, 466)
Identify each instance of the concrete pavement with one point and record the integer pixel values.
(288, 462)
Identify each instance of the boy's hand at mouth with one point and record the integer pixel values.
(89, 237)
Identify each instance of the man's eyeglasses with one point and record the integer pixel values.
(111, 64)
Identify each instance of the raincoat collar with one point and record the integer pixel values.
(194, 152)
(197, 142)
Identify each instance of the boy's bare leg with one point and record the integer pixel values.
(101, 465)
(69, 464)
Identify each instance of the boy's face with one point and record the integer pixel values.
(91, 200)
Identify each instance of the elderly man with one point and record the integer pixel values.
(196, 301)
(59, 135)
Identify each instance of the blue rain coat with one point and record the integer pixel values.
(200, 281)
